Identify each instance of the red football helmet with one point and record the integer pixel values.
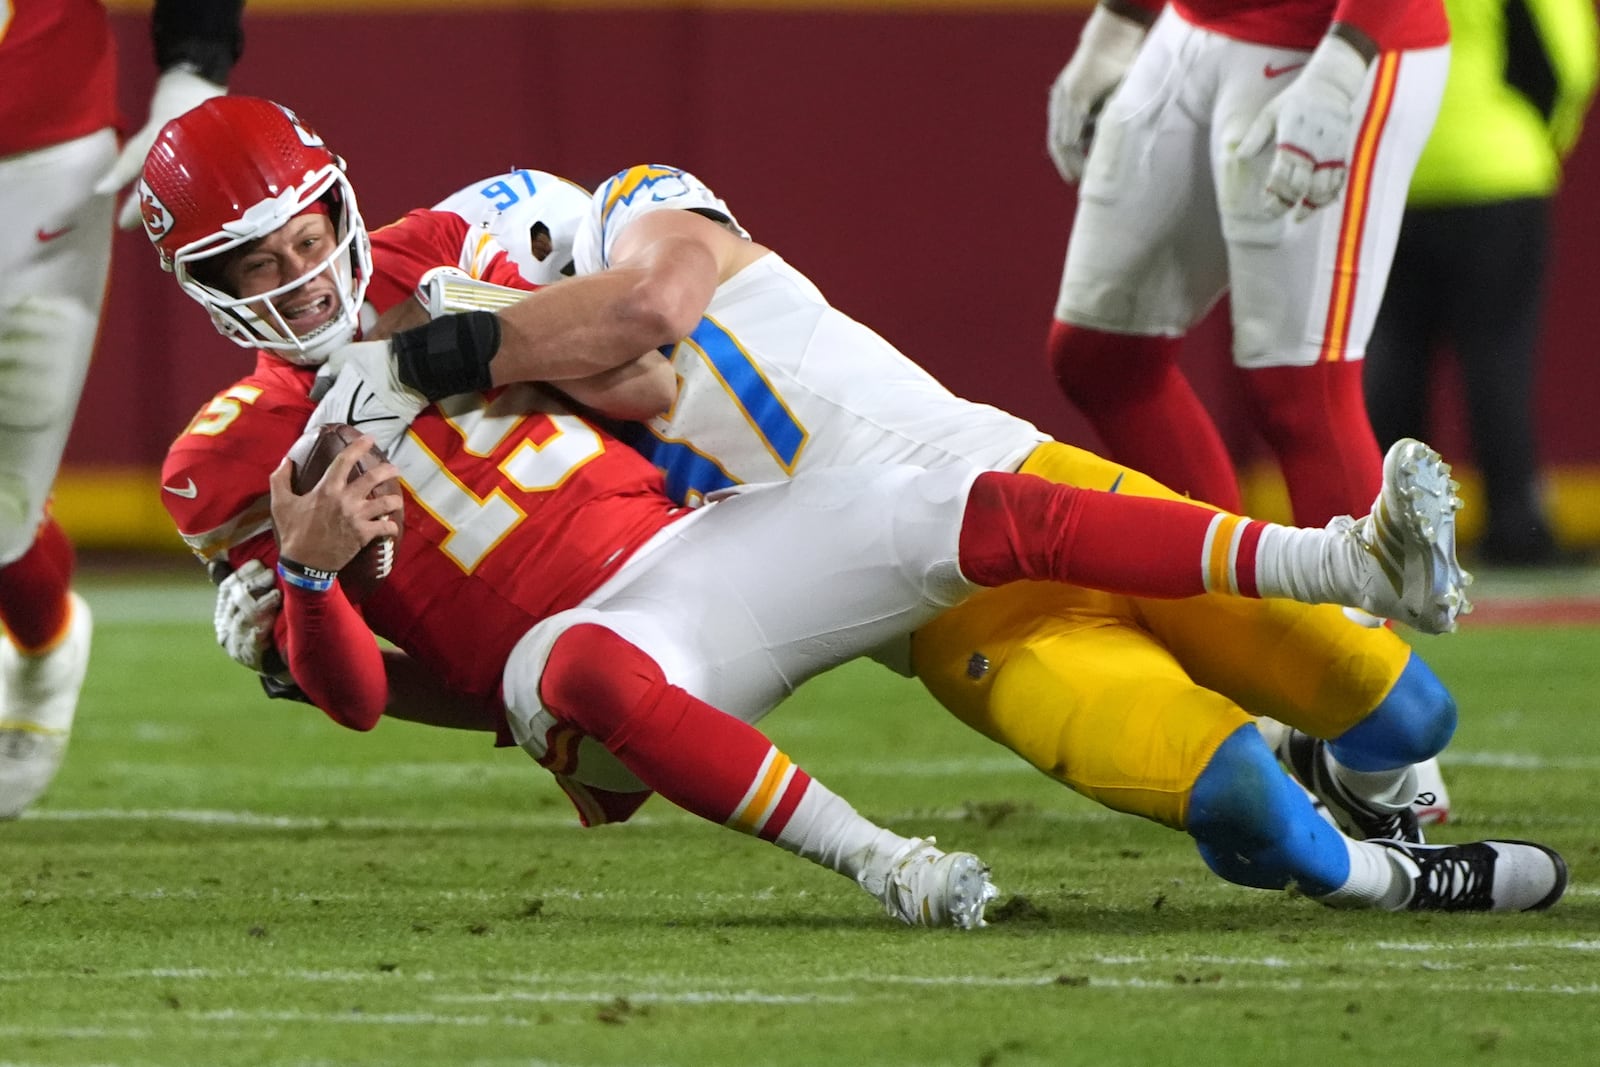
(234, 170)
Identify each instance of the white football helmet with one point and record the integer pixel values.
(533, 215)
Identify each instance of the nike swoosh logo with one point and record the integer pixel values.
(358, 400)
(1118, 483)
(188, 492)
(1269, 71)
(44, 236)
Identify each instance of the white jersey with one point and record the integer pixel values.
(774, 380)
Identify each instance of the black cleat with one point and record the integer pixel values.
(1481, 876)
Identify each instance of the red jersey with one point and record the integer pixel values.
(58, 66)
(515, 509)
(1392, 24)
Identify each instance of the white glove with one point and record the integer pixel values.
(372, 363)
(358, 386)
(1104, 53)
(1314, 121)
(248, 602)
(177, 91)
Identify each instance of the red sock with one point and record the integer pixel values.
(1315, 420)
(703, 760)
(1018, 527)
(1132, 392)
(33, 590)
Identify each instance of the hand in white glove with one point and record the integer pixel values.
(177, 91)
(1312, 123)
(248, 602)
(359, 386)
(1104, 53)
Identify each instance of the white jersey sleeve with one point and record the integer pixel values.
(774, 380)
(633, 192)
(533, 215)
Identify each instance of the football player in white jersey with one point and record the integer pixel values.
(773, 379)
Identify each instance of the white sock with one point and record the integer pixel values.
(826, 830)
(1375, 880)
(1295, 562)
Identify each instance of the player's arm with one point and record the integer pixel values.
(197, 43)
(417, 695)
(1110, 41)
(333, 656)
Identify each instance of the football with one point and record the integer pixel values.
(373, 563)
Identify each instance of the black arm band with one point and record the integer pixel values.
(449, 355)
(207, 36)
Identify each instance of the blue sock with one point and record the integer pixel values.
(1255, 827)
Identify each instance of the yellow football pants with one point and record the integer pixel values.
(1125, 699)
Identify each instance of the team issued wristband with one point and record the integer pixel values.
(308, 578)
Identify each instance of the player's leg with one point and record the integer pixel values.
(1397, 373)
(1308, 665)
(1098, 704)
(1305, 293)
(1144, 262)
(1495, 326)
(610, 689)
(766, 589)
(1361, 707)
(1254, 827)
(1397, 562)
(53, 263)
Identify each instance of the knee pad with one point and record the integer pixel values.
(1413, 722)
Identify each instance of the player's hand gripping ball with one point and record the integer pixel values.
(373, 563)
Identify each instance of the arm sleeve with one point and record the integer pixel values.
(206, 34)
(333, 656)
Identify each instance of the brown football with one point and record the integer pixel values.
(374, 562)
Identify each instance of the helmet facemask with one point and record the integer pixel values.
(255, 321)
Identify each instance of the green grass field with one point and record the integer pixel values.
(216, 879)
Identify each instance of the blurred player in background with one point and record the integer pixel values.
(1252, 148)
(1469, 273)
(1097, 690)
(59, 172)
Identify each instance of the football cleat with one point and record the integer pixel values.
(1481, 876)
(1308, 759)
(927, 887)
(41, 699)
(1402, 554)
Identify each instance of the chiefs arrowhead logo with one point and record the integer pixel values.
(157, 219)
(308, 137)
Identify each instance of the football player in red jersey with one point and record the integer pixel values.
(634, 644)
(1258, 148)
(59, 170)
